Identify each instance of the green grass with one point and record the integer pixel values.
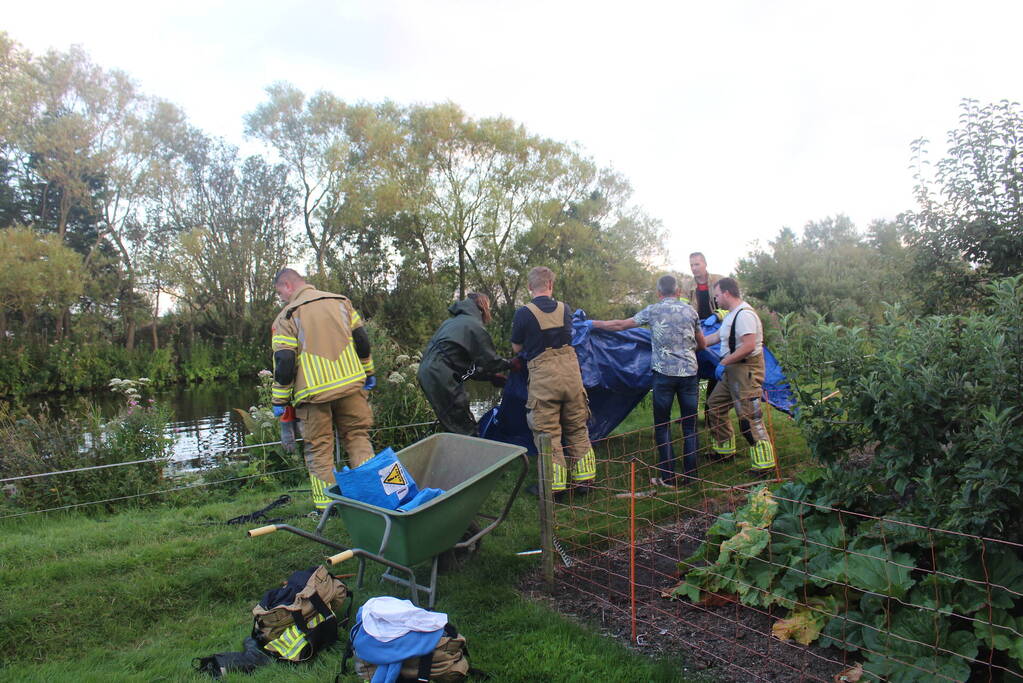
(135, 595)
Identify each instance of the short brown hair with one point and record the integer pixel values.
(287, 275)
(728, 284)
(540, 276)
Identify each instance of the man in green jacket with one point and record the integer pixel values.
(461, 349)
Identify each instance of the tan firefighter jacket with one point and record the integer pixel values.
(318, 327)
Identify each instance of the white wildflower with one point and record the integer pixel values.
(395, 378)
(402, 359)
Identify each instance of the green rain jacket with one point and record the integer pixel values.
(461, 347)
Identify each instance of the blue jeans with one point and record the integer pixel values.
(687, 389)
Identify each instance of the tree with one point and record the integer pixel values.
(969, 224)
(312, 138)
(38, 275)
(232, 225)
(832, 270)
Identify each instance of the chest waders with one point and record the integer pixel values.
(556, 405)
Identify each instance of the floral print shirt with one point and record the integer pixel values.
(673, 324)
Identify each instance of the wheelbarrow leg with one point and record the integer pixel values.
(433, 583)
(325, 516)
(362, 572)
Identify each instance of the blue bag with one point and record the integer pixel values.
(423, 496)
(382, 481)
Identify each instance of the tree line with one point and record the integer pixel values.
(127, 226)
(135, 242)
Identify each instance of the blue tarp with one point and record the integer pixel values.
(616, 373)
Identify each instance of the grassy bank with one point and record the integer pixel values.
(136, 595)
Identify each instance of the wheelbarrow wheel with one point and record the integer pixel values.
(452, 558)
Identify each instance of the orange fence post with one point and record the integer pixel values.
(632, 544)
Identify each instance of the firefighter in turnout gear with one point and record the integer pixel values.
(556, 403)
(741, 380)
(322, 367)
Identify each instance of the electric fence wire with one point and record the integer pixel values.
(168, 459)
(149, 493)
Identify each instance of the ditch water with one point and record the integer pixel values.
(204, 422)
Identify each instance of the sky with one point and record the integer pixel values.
(731, 120)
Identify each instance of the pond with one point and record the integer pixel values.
(205, 423)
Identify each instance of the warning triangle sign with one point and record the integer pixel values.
(395, 476)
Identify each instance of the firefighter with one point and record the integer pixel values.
(556, 402)
(740, 377)
(461, 349)
(323, 369)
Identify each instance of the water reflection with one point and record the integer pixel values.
(205, 424)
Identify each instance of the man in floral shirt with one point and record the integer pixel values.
(675, 339)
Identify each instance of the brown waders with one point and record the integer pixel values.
(741, 388)
(352, 417)
(557, 405)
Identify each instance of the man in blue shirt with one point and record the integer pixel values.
(556, 402)
(675, 338)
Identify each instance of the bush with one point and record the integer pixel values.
(922, 426)
(397, 401)
(36, 444)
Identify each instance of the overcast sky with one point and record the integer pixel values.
(731, 119)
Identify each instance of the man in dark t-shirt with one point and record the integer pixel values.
(701, 297)
(556, 402)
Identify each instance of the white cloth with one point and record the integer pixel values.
(388, 618)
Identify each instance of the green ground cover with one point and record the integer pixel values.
(135, 595)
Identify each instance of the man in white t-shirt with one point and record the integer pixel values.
(740, 380)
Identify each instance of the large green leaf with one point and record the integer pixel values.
(874, 570)
(916, 646)
(1002, 632)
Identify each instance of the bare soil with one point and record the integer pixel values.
(719, 639)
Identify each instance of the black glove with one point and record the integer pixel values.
(499, 380)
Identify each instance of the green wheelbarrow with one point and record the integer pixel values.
(466, 468)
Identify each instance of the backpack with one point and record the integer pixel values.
(448, 663)
(299, 619)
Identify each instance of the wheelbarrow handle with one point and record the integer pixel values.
(262, 531)
(340, 557)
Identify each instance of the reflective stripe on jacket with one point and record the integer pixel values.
(318, 327)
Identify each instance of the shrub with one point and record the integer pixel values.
(922, 427)
(397, 401)
(32, 444)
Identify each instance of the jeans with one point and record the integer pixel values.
(687, 389)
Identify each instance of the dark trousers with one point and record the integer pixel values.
(687, 390)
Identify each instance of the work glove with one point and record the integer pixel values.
(371, 383)
(278, 411)
(498, 380)
(515, 364)
(719, 372)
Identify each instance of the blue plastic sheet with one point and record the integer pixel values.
(616, 372)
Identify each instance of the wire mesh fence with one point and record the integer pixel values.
(762, 583)
(73, 488)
